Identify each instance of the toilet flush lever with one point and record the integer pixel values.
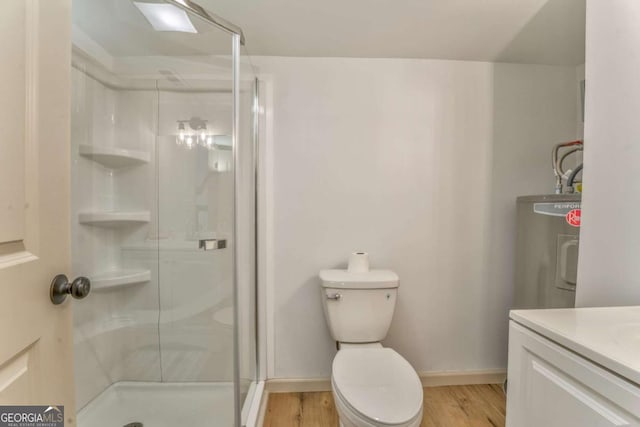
(335, 297)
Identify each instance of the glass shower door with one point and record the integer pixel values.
(195, 235)
(156, 200)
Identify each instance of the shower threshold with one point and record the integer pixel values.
(160, 405)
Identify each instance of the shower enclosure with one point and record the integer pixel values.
(164, 134)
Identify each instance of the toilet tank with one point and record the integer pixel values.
(359, 307)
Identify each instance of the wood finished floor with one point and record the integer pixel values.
(452, 406)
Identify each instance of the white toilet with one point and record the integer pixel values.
(372, 386)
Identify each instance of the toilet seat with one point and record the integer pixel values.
(378, 386)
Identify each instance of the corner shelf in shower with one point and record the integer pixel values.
(114, 158)
(118, 279)
(114, 219)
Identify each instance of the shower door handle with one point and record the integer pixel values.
(211, 244)
(60, 288)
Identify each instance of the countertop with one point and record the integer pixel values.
(608, 336)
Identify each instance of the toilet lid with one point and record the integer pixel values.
(378, 383)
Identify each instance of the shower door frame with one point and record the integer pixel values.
(235, 128)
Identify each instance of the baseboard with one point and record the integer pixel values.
(487, 376)
(428, 379)
(298, 385)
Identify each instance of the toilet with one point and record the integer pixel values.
(372, 386)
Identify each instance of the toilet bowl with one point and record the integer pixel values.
(375, 387)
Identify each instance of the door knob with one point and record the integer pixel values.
(60, 288)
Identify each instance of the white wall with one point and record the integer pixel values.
(417, 162)
(609, 271)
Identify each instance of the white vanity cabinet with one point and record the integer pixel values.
(554, 385)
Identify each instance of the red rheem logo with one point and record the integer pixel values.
(573, 217)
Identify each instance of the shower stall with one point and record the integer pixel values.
(164, 140)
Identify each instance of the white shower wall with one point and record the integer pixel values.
(174, 327)
(115, 334)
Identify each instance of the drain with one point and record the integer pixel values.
(133, 424)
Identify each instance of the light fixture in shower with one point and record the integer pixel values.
(194, 132)
(166, 17)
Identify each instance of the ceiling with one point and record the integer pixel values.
(521, 31)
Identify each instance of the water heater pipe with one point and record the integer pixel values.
(572, 176)
(557, 163)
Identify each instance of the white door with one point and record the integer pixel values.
(36, 339)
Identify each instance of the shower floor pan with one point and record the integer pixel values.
(160, 405)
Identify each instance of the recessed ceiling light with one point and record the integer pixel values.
(166, 17)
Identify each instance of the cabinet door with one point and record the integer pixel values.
(553, 387)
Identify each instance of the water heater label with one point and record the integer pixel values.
(573, 217)
(557, 209)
